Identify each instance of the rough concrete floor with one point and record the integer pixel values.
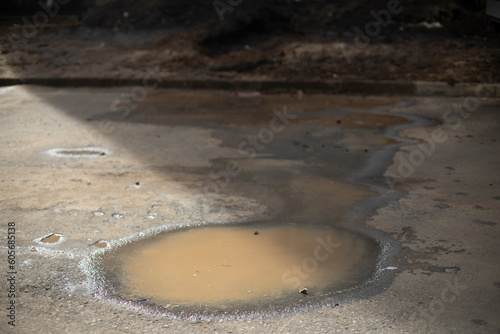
(448, 280)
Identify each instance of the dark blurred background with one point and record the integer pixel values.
(29, 7)
(431, 40)
(297, 16)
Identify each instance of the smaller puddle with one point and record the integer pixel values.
(51, 238)
(366, 121)
(100, 244)
(372, 121)
(250, 268)
(82, 152)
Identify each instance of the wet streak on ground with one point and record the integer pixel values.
(305, 167)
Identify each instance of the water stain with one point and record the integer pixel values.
(484, 222)
(51, 238)
(232, 267)
(362, 120)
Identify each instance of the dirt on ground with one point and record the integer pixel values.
(448, 41)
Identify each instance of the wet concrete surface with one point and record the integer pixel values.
(180, 157)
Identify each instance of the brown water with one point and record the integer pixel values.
(100, 244)
(50, 239)
(221, 265)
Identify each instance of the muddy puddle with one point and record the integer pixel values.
(51, 238)
(248, 267)
(319, 175)
(100, 244)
